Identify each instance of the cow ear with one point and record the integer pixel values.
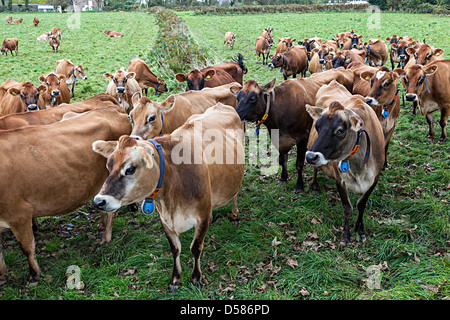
(438, 52)
(294, 40)
(108, 76)
(314, 112)
(42, 78)
(13, 91)
(180, 77)
(136, 97)
(411, 51)
(210, 74)
(235, 89)
(356, 121)
(131, 75)
(269, 86)
(400, 72)
(42, 88)
(430, 69)
(366, 75)
(61, 77)
(104, 148)
(147, 156)
(312, 41)
(388, 39)
(168, 104)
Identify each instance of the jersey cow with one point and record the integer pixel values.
(19, 97)
(36, 21)
(113, 34)
(145, 77)
(230, 38)
(377, 52)
(263, 45)
(122, 86)
(291, 62)
(57, 91)
(54, 42)
(10, 45)
(72, 72)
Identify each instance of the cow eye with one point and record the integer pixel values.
(428, 56)
(421, 80)
(151, 118)
(386, 84)
(131, 170)
(340, 132)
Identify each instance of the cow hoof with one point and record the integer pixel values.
(173, 287)
(32, 283)
(442, 140)
(299, 190)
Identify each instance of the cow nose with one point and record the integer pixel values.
(341, 45)
(353, 45)
(369, 101)
(85, 78)
(120, 89)
(411, 97)
(321, 60)
(402, 56)
(99, 203)
(271, 65)
(55, 92)
(311, 157)
(32, 107)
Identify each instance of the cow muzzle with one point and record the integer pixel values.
(32, 107)
(371, 101)
(321, 61)
(120, 89)
(402, 56)
(315, 158)
(55, 93)
(411, 97)
(271, 66)
(106, 203)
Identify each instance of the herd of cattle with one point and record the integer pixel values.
(117, 147)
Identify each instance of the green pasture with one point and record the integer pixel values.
(286, 246)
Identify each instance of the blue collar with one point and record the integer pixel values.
(73, 73)
(148, 205)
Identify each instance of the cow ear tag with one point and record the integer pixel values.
(343, 166)
(385, 114)
(367, 78)
(148, 206)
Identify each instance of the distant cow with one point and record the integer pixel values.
(54, 42)
(429, 85)
(267, 32)
(377, 52)
(341, 39)
(43, 37)
(113, 34)
(71, 71)
(291, 62)
(229, 39)
(35, 21)
(10, 45)
(284, 44)
(57, 91)
(345, 57)
(263, 45)
(145, 77)
(122, 86)
(19, 97)
(189, 190)
(204, 78)
(57, 32)
(9, 19)
(17, 20)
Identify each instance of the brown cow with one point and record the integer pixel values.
(113, 34)
(429, 85)
(122, 86)
(345, 57)
(71, 71)
(10, 45)
(35, 21)
(230, 38)
(292, 62)
(150, 119)
(54, 42)
(19, 97)
(360, 86)
(398, 53)
(57, 91)
(348, 145)
(43, 37)
(267, 32)
(341, 38)
(190, 189)
(423, 54)
(263, 46)
(310, 44)
(321, 59)
(9, 19)
(377, 52)
(209, 77)
(236, 68)
(57, 32)
(17, 20)
(284, 44)
(282, 107)
(65, 174)
(145, 77)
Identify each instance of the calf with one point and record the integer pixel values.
(185, 192)
(229, 39)
(113, 34)
(72, 73)
(19, 97)
(292, 62)
(54, 42)
(35, 21)
(122, 86)
(204, 78)
(348, 146)
(282, 107)
(145, 77)
(263, 45)
(56, 93)
(65, 174)
(377, 52)
(43, 37)
(429, 85)
(321, 59)
(10, 45)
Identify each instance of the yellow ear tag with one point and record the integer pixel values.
(431, 70)
(367, 78)
(208, 76)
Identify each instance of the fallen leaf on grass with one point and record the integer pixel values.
(292, 263)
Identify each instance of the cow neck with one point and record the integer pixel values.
(386, 107)
(343, 164)
(285, 62)
(73, 73)
(266, 113)
(148, 205)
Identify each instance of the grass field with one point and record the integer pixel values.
(286, 245)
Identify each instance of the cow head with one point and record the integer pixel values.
(400, 49)
(145, 117)
(53, 39)
(52, 82)
(29, 94)
(325, 54)
(3, 49)
(414, 79)
(78, 72)
(289, 42)
(356, 41)
(120, 79)
(341, 38)
(278, 60)
(341, 59)
(308, 44)
(269, 40)
(392, 40)
(251, 99)
(196, 78)
(337, 130)
(383, 86)
(424, 53)
(161, 85)
(133, 167)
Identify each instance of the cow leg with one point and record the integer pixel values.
(348, 209)
(314, 184)
(282, 160)
(429, 118)
(175, 247)
(361, 205)
(2, 262)
(106, 225)
(443, 122)
(234, 215)
(414, 107)
(301, 151)
(196, 249)
(35, 227)
(72, 89)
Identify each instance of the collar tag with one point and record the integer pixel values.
(343, 165)
(148, 206)
(385, 114)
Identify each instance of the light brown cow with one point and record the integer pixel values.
(17, 20)
(263, 46)
(65, 174)
(43, 37)
(9, 19)
(292, 62)
(72, 73)
(267, 32)
(398, 52)
(341, 39)
(113, 34)
(284, 44)
(310, 44)
(340, 147)
(145, 77)
(429, 85)
(377, 52)
(191, 187)
(36, 21)
(230, 38)
(423, 54)
(19, 97)
(346, 57)
(360, 86)
(321, 59)
(209, 77)
(54, 42)
(57, 91)
(10, 45)
(122, 86)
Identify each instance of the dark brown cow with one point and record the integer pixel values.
(236, 68)
(263, 45)
(10, 45)
(429, 85)
(282, 107)
(19, 97)
(145, 77)
(54, 42)
(190, 188)
(292, 62)
(57, 91)
(205, 78)
(377, 52)
(35, 21)
(65, 175)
